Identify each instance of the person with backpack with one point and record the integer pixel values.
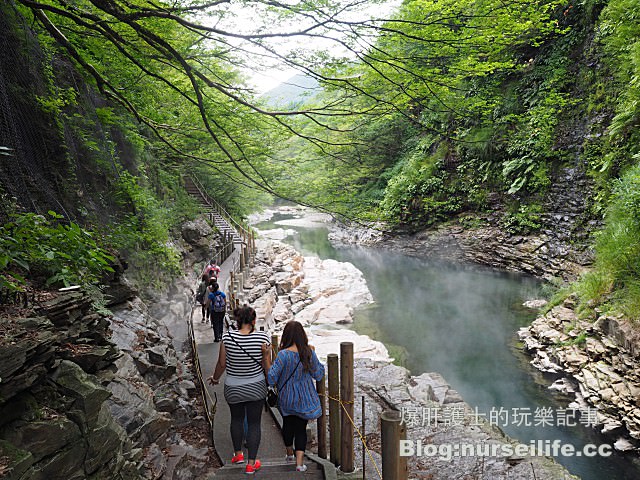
(217, 302)
(293, 371)
(200, 293)
(212, 270)
(207, 306)
(245, 355)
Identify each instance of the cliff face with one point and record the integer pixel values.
(55, 420)
(84, 395)
(57, 153)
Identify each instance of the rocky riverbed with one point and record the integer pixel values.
(284, 285)
(599, 360)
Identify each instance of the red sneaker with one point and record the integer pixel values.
(251, 469)
(238, 458)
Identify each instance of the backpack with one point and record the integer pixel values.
(219, 304)
(202, 289)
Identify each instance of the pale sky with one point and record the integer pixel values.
(244, 17)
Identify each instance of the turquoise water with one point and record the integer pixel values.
(461, 321)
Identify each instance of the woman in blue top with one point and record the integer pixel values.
(293, 371)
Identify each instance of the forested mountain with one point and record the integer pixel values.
(292, 92)
(439, 111)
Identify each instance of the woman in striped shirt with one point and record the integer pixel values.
(293, 371)
(246, 356)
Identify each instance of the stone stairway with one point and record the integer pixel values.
(273, 468)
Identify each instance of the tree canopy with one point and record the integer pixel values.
(179, 69)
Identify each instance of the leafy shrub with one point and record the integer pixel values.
(614, 280)
(523, 221)
(143, 235)
(37, 246)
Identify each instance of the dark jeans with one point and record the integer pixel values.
(217, 322)
(253, 412)
(294, 428)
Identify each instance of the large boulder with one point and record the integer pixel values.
(195, 232)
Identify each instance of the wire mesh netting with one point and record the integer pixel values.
(29, 142)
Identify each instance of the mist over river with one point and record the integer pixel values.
(461, 321)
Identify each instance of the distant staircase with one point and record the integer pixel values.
(217, 215)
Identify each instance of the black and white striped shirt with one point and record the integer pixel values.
(248, 362)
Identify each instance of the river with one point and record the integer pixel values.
(461, 321)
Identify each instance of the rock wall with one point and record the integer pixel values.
(561, 248)
(90, 396)
(55, 421)
(599, 360)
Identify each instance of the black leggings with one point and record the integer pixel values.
(294, 427)
(217, 322)
(253, 412)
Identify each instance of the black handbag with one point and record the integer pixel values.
(272, 397)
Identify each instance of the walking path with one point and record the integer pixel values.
(271, 452)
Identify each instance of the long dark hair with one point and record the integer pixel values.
(293, 333)
(245, 315)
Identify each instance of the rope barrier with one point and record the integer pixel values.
(211, 404)
(362, 439)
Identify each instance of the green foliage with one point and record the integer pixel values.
(620, 34)
(580, 339)
(525, 220)
(614, 280)
(64, 254)
(143, 234)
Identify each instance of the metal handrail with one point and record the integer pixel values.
(219, 208)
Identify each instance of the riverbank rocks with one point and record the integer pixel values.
(284, 285)
(435, 414)
(600, 360)
(560, 248)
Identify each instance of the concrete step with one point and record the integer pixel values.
(273, 469)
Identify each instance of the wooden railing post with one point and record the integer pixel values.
(322, 421)
(333, 377)
(346, 399)
(394, 467)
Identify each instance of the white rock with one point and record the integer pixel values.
(562, 385)
(623, 445)
(610, 425)
(535, 304)
(276, 233)
(328, 341)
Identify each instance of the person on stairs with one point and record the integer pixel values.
(200, 293)
(218, 307)
(245, 354)
(293, 372)
(212, 270)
